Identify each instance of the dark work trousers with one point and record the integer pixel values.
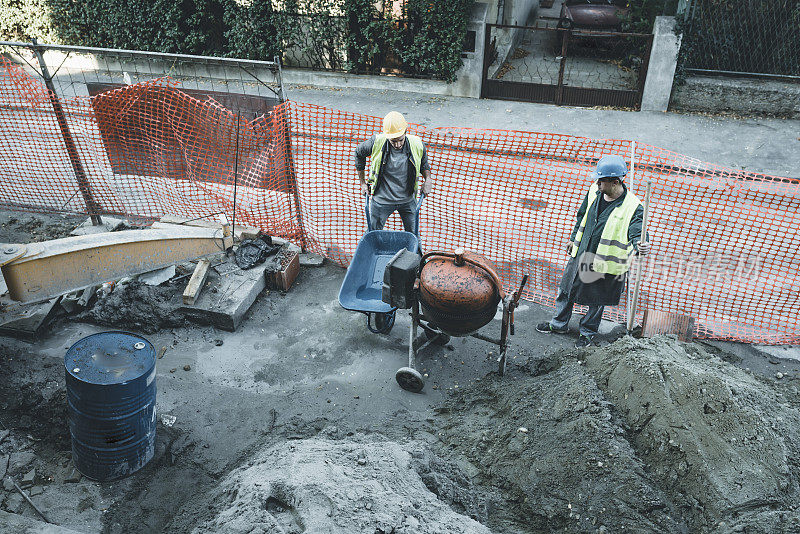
(379, 213)
(590, 323)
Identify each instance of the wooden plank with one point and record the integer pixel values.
(660, 322)
(196, 282)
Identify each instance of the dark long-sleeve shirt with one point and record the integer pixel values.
(393, 186)
(606, 289)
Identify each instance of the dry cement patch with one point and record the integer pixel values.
(721, 443)
(322, 485)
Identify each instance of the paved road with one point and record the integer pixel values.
(770, 146)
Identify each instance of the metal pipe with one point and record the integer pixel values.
(235, 171)
(30, 501)
(72, 150)
(159, 55)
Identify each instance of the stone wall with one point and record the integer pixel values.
(739, 96)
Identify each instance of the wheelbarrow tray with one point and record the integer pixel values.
(362, 286)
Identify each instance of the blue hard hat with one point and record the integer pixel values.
(610, 167)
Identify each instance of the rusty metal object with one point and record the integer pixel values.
(52, 268)
(459, 291)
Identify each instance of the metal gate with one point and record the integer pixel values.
(562, 66)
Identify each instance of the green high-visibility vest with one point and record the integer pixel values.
(376, 159)
(614, 251)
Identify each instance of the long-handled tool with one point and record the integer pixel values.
(638, 274)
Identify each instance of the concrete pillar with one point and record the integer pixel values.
(470, 75)
(661, 68)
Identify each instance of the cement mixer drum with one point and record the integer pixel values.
(458, 292)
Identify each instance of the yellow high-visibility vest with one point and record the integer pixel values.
(614, 251)
(414, 142)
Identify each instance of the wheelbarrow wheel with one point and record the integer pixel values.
(409, 379)
(383, 322)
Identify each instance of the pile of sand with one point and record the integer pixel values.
(322, 485)
(724, 445)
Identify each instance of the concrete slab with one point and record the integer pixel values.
(26, 321)
(231, 294)
(311, 260)
(783, 352)
(109, 225)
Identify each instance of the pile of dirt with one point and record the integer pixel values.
(137, 306)
(549, 441)
(722, 443)
(339, 486)
(16, 227)
(644, 435)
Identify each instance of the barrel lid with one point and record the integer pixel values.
(110, 358)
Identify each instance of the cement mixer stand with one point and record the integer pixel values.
(410, 379)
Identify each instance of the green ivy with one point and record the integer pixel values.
(340, 35)
(434, 38)
(22, 20)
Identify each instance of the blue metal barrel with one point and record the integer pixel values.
(111, 399)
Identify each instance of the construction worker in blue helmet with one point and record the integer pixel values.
(606, 235)
(398, 173)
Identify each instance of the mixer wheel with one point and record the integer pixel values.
(409, 379)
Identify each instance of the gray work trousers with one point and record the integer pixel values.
(590, 323)
(379, 213)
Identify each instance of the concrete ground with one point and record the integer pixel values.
(770, 146)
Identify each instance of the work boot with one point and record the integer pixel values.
(547, 328)
(583, 341)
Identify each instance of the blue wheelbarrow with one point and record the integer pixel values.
(362, 286)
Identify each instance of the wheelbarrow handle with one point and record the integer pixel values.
(366, 211)
(419, 206)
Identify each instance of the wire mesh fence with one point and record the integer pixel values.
(90, 114)
(725, 247)
(745, 36)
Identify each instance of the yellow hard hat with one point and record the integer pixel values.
(394, 125)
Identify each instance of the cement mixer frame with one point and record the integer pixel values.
(412, 380)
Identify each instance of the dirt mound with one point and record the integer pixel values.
(550, 442)
(724, 445)
(136, 306)
(353, 486)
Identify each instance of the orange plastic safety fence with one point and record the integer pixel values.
(725, 242)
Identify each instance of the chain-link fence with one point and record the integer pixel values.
(743, 36)
(198, 128)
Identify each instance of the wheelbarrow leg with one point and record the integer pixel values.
(408, 377)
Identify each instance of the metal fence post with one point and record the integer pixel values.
(560, 91)
(80, 175)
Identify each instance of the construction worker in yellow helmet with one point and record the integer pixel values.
(398, 173)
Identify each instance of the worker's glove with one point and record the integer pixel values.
(569, 246)
(427, 187)
(644, 248)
